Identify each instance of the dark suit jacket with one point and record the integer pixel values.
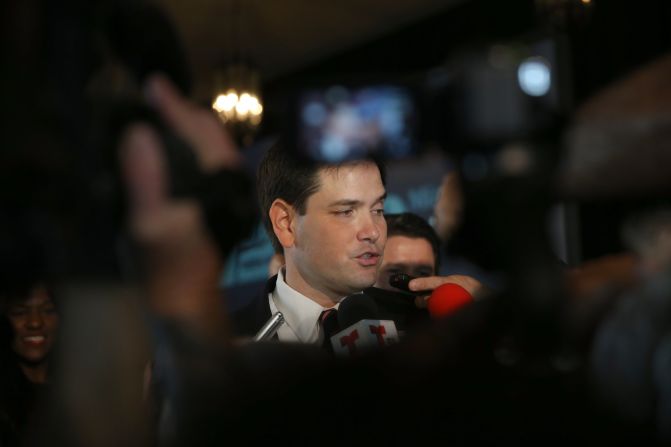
(247, 320)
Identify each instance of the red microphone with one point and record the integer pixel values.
(447, 299)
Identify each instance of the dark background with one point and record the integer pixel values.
(50, 50)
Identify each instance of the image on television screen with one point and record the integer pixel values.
(340, 123)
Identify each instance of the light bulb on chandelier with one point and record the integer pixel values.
(236, 98)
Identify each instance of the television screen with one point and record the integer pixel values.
(338, 123)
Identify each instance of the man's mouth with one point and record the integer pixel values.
(368, 258)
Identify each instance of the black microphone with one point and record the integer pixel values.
(359, 314)
(355, 308)
(399, 307)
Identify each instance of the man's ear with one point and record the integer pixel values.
(281, 217)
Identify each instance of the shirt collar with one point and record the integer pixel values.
(300, 312)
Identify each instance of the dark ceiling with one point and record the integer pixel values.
(288, 39)
(283, 36)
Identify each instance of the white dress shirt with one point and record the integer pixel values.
(301, 314)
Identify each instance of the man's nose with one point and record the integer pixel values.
(370, 229)
(35, 320)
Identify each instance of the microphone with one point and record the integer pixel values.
(447, 299)
(355, 308)
(270, 328)
(399, 307)
(364, 330)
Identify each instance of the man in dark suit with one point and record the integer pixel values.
(328, 221)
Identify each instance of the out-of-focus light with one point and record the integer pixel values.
(239, 106)
(534, 76)
(231, 100)
(242, 107)
(314, 114)
(232, 106)
(586, 2)
(218, 103)
(255, 107)
(255, 119)
(337, 94)
(514, 159)
(225, 102)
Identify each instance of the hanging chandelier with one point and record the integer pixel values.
(236, 98)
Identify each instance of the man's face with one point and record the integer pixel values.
(412, 256)
(340, 239)
(34, 323)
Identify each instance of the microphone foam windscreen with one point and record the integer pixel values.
(447, 299)
(355, 308)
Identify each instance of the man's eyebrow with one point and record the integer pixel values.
(346, 202)
(354, 202)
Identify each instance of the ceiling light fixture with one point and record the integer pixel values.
(237, 98)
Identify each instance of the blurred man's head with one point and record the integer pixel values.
(412, 248)
(328, 220)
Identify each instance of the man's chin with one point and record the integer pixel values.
(363, 283)
(355, 280)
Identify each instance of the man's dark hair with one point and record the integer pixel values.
(413, 226)
(283, 175)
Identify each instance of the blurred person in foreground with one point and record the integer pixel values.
(460, 240)
(618, 152)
